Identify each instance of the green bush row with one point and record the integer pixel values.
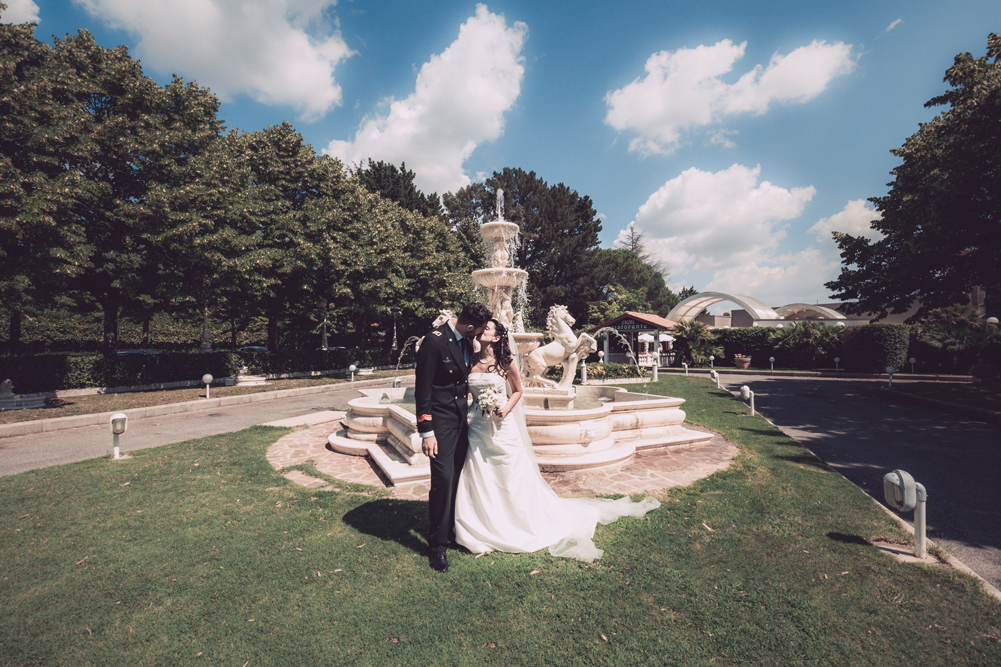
(50, 372)
(65, 331)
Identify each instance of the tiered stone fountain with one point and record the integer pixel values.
(572, 428)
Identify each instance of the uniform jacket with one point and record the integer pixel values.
(442, 386)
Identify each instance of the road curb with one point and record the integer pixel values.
(814, 375)
(76, 421)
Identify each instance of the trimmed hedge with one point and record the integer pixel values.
(752, 341)
(50, 372)
(873, 347)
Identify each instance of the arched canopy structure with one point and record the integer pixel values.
(693, 305)
(801, 311)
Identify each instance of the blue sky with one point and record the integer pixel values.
(734, 135)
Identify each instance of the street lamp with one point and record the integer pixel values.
(396, 313)
(119, 422)
(207, 380)
(903, 494)
(748, 395)
(771, 360)
(837, 360)
(353, 368)
(912, 361)
(890, 370)
(712, 357)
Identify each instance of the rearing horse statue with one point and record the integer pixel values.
(566, 349)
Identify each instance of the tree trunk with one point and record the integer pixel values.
(206, 344)
(232, 332)
(109, 345)
(273, 333)
(14, 337)
(145, 336)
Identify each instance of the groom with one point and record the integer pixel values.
(442, 390)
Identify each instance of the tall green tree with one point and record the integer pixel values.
(559, 230)
(621, 277)
(941, 220)
(41, 244)
(397, 184)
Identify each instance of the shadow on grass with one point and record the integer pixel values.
(811, 461)
(402, 521)
(849, 539)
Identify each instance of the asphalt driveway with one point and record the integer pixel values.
(862, 432)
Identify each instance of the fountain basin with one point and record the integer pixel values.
(499, 277)
(616, 423)
(499, 230)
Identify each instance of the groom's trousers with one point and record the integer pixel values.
(453, 445)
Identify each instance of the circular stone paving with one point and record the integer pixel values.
(649, 471)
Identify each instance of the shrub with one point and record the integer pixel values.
(871, 348)
(695, 342)
(806, 344)
(50, 372)
(750, 341)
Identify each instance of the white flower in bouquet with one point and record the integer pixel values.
(490, 400)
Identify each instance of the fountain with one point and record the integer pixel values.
(572, 428)
(11, 401)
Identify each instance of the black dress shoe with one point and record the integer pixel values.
(439, 561)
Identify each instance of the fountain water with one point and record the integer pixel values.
(622, 339)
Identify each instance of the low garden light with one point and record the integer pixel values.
(992, 320)
(207, 380)
(912, 361)
(712, 358)
(771, 360)
(748, 395)
(837, 360)
(685, 364)
(903, 494)
(890, 370)
(601, 356)
(714, 375)
(353, 368)
(119, 423)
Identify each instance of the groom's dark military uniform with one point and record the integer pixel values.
(442, 391)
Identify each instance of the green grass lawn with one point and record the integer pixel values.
(83, 405)
(200, 553)
(972, 395)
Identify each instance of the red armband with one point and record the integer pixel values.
(424, 418)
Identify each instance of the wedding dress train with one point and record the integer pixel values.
(503, 502)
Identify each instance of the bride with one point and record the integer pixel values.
(503, 503)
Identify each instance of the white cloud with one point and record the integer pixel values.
(20, 11)
(893, 25)
(703, 221)
(458, 102)
(684, 89)
(275, 51)
(756, 267)
(854, 219)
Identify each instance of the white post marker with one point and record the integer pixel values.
(119, 422)
(747, 394)
(903, 494)
(655, 371)
(207, 380)
(685, 364)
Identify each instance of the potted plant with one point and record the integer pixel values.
(742, 361)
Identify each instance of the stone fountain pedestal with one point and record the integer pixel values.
(11, 401)
(382, 426)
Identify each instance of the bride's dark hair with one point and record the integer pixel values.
(502, 351)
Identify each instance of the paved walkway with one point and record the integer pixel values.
(649, 471)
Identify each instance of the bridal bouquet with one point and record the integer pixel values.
(490, 400)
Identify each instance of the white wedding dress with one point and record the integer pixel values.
(504, 504)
